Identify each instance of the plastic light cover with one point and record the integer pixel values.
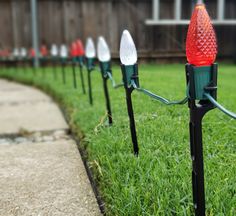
(73, 49)
(23, 52)
(128, 52)
(54, 50)
(16, 52)
(80, 48)
(90, 49)
(4, 53)
(103, 50)
(44, 50)
(201, 45)
(32, 52)
(63, 51)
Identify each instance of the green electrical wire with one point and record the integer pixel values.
(157, 97)
(113, 81)
(220, 107)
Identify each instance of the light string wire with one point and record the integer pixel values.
(157, 97)
(220, 107)
(114, 85)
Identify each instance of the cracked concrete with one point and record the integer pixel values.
(41, 171)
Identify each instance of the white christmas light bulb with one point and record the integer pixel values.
(63, 51)
(200, 2)
(103, 50)
(54, 50)
(16, 52)
(23, 52)
(128, 52)
(90, 49)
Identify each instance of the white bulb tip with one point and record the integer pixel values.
(200, 2)
(128, 52)
(90, 48)
(103, 50)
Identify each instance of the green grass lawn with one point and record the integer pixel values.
(158, 182)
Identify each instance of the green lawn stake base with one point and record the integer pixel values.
(130, 72)
(201, 79)
(105, 67)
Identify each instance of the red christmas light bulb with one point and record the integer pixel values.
(73, 49)
(32, 53)
(201, 45)
(80, 48)
(44, 50)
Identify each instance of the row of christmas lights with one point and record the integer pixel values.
(201, 76)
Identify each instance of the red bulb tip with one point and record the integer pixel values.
(201, 45)
(73, 50)
(80, 48)
(44, 50)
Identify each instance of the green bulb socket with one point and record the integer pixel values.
(63, 60)
(80, 59)
(202, 79)
(90, 63)
(105, 67)
(130, 73)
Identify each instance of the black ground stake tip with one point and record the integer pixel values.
(107, 98)
(82, 78)
(90, 87)
(90, 67)
(54, 68)
(197, 112)
(105, 67)
(63, 72)
(130, 73)
(74, 74)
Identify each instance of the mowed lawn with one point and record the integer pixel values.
(158, 182)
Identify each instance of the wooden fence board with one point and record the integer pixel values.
(62, 21)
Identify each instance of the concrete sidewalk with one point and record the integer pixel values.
(41, 171)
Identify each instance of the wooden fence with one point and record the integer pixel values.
(62, 21)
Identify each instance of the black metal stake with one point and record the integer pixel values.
(74, 75)
(90, 87)
(82, 79)
(24, 65)
(63, 72)
(43, 69)
(197, 112)
(131, 120)
(15, 67)
(107, 98)
(54, 69)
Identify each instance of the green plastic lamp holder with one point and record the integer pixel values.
(130, 75)
(90, 64)
(202, 80)
(80, 60)
(63, 64)
(90, 67)
(74, 61)
(105, 68)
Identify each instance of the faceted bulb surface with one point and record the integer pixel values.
(128, 52)
(54, 50)
(103, 50)
(80, 48)
(63, 51)
(23, 52)
(44, 50)
(16, 52)
(201, 45)
(90, 49)
(73, 49)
